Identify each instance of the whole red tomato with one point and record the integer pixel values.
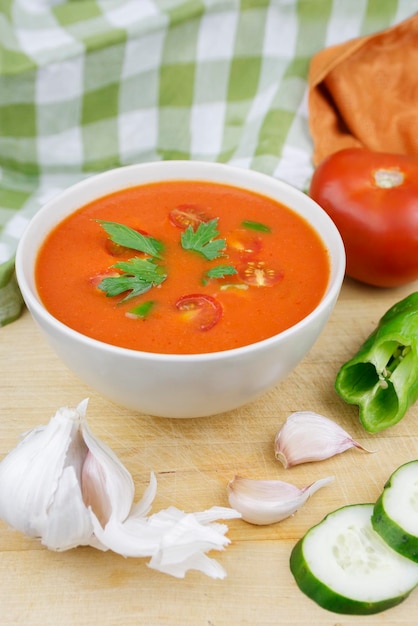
(372, 197)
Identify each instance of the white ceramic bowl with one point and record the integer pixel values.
(179, 385)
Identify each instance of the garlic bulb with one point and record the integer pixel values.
(63, 485)
(306, 436)
(264, 502)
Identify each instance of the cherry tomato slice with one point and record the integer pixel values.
(257, 274)
(116, 249)
(186, 215)
(244, 242)
(200, 309)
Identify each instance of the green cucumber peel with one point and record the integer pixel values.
(382, 377)
(395, 514)
(344, 565)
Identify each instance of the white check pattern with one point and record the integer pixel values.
(95, 84)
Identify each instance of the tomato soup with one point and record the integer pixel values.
(182, 267)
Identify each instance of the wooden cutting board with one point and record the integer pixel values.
(193, 461)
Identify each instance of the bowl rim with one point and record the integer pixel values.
(209, 171)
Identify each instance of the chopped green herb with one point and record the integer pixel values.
(262, 228)
(139, 275)
(203, 240)
(130, 238)
(220, 271)
(142, 310)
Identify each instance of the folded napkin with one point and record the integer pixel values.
(364, 93)
(87, 86)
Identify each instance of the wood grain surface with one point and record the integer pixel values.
(193, 461)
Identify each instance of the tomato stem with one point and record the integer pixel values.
(385, 179)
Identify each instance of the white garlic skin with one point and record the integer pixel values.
(306, 437)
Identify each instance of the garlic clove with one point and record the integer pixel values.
(306, 436)
(263, 502)
(69, 522)
(93, 486)
(30, 474)
(66, 487)
(137, 535)
(106, 483)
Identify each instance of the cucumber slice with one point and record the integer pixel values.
(395, 515)
(346, 567)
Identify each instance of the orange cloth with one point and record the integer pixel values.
(364, 93)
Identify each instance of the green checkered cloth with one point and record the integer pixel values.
(88, 85)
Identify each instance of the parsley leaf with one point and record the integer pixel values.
(203, 240)
(131, 238)
(220, 271)
(138, 277)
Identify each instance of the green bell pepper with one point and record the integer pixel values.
(382, 378)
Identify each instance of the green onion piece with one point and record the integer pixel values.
(142, 310)
(262, 228)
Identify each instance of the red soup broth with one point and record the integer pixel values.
(281, 264)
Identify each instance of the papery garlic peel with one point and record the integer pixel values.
(64, 486)
(306, 436)
(263, 502)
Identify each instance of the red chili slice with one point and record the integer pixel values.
(202, 310)
(186, 215)
(257, 274)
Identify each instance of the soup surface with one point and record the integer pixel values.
(181, 268)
